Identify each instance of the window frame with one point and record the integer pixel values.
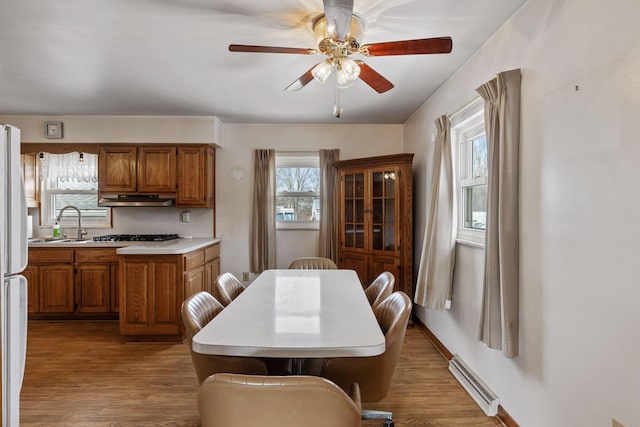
(466, 125)
(47, 214)
(297, 159)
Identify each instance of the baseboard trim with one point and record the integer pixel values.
(502, 416)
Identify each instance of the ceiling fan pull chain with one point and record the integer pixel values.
(336, 102)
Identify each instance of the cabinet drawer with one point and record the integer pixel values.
(96, 255)
(193, 260)
(211, 252)
(50, 255)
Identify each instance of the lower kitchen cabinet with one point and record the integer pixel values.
(56, 288)
(150, 289)
(153, 287)
(33, 300)
(93, 288)
(96, 272)
(195, 281)
(71, 283)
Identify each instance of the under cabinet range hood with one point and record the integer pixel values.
(136, 200)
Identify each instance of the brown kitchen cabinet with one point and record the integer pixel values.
(117, 169)
(156, 169)
(30, 179)
(94, 279)
(186, 171)
(376, 223)
(50, 288)
(56, 288)
(126, 169)
(71, 283)
(153, 287)
(33, 300)
(52, 277)
(211, 267)
(196, 177)
(93, 288)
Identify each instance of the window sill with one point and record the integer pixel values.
(297, 225)
(473, 238)
(470, 243)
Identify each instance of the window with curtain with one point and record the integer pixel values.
(71, 179)
(297, 190)
(469, 136)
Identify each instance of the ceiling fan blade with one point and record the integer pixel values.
(338, 14)
(301, 82)
(373, 78)
(409, 47)
(270, 49)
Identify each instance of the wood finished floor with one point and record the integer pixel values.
(79, 373)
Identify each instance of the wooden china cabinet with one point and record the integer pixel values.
(376, 221)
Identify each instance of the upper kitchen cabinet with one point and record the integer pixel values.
(117, 166)
(376, 226)
(30, 179)
(184, 171)
(156, 169)
(196, 177)
(137, 169)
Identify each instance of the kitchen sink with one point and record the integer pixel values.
(57, 240)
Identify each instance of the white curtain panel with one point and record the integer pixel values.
(74, 166)
(500, 311)
(263, 227)
(329, 182)
(435, 274)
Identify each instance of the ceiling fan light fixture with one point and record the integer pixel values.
(322, 71)
(348, 71)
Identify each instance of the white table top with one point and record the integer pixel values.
(298, 314)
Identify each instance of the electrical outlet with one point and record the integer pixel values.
(245, 278)
(186, 216)
(616, 423)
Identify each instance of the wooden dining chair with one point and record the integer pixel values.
(227, 400)
(198, 310)
(380, 288)
(227, 288)
(313, 263)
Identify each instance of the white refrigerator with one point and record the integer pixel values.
(13, 260)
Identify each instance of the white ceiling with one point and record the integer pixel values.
(170, 57)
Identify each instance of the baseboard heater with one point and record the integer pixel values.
(477, 389)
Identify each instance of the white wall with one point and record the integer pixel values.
(580, 158)
(122, 129)
(235, 197)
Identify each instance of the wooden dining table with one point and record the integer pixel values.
(296, 314)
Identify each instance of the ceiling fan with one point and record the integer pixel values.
(338, 33)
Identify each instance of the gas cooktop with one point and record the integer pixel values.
(136, 237)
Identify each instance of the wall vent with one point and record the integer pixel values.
(477, 389)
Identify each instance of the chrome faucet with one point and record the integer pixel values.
(82, 233)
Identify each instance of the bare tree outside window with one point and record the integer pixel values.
(297, 194)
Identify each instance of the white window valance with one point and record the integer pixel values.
(73, 166)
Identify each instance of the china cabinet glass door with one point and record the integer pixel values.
(384, 215)
(355, 190)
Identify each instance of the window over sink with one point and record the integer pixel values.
(71, 179)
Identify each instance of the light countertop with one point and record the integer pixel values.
(171, 247)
